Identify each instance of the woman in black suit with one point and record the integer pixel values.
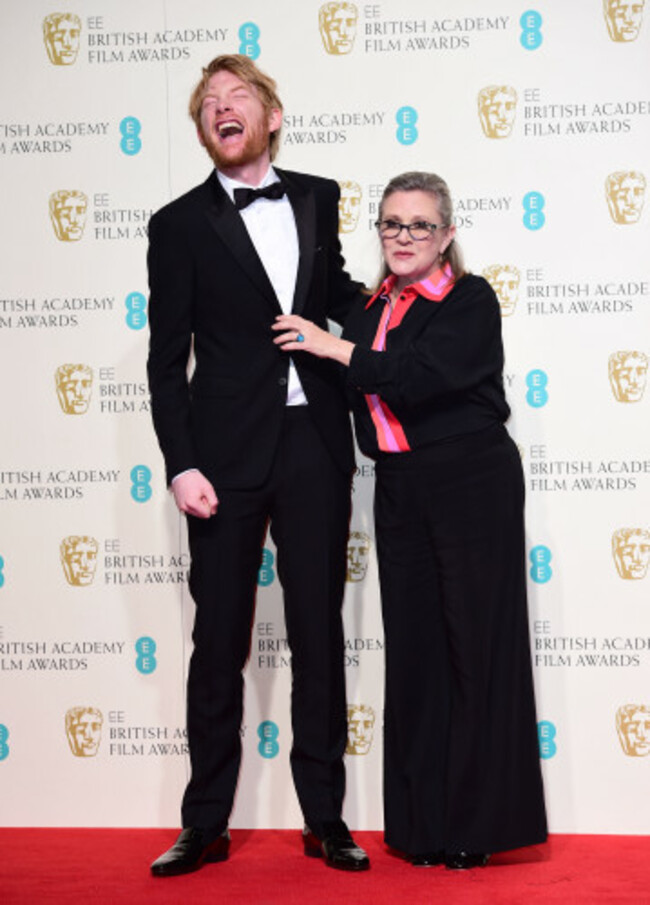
(424, 362)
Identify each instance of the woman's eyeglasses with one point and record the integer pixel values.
(418, 231)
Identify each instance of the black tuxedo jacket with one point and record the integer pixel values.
(208, 288)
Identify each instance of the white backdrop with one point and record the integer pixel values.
(539, 119)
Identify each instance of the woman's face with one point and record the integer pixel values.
(409, 259)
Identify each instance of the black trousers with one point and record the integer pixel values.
(461, 764)
(306, 499)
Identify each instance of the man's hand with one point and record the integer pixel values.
(194, 494)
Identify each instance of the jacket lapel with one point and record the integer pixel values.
(229, 226)
(304, 211)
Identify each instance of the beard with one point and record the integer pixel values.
(256, 144)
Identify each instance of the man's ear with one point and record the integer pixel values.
(275, 119)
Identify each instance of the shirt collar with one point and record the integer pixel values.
(229, 185)
(433, 288)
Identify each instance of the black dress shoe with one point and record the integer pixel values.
(427, 859)
(465, 860)
(337, 847)
(192, 849)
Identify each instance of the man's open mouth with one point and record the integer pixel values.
(228, 128)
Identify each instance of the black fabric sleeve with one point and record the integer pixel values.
(171, 284)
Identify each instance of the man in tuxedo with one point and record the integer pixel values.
(253, 440)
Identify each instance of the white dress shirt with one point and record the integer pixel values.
(272, 228)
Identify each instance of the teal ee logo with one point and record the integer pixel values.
(406, 118)
(2, 566)
(130, 131)
(537, 395)
(136, 311)
(141, 488)
(266, 574)
(531, 36)
(4, 747)
(145, 662)
(268, 733)
(540, 570)
(533, 204)
(546, 733)
(249, 34)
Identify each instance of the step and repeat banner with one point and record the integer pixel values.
(539, 119)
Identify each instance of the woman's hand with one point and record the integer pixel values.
(300, 335)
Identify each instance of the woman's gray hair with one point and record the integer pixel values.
(416, 181)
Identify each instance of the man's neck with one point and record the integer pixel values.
(249, 173)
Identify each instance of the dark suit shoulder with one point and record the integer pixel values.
(187, 203)
(473, 288)
(471, 283)
(306, 179)
(308, 182)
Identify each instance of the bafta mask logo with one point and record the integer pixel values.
(361, 725)
(628, 372)
(79, 559)
(504, 279)
(623, 18)
(359, 545)
(497, 106)
(631, 552)
(338, 27)
(68, 214)
(61, 33)
(74, 384)
(349, 206)
(625, 195)
(83, 726)
(633, 727)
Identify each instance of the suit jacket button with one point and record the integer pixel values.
(282, 381)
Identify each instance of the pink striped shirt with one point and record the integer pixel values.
(390, 434)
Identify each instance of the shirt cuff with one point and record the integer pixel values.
(187, 471)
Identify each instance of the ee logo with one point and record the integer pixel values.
(533, 204)
(249, 34)
(145, 662)
(141, 488)
(546, 733)
(130, 131)
(268, 733)
(406, 118)
(136, 311)
(4, 747)
(531, 36)
(266, 573)
(537, 395)
(540, 570)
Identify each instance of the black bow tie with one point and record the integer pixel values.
(244, 197)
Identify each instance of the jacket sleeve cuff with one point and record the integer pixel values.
(363, 370)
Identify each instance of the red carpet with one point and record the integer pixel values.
(267, 867)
